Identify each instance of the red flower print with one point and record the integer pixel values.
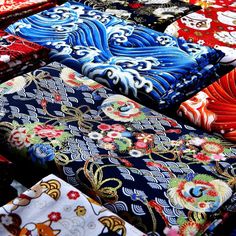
(104, 127)
(202, 157)
(57, 97)
(43, 103)
(19, 138)
(144, 137)
(141, 145)
(54, 216)
(107, 139)
(135, 5)
(118, 128)
(47, 131)
(212, 193)
(73, 195)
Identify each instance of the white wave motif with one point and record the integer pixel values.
(119, 33)
(138, 210)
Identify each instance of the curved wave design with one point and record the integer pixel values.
(131, 59)
(214, 108)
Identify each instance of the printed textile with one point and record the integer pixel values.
(143, 64)
(153, 171)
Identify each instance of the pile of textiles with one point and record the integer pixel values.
(84, 96)
(154, 14)
(18, 56)
(141, 63)
(151, 170)
(70, 213)
(12, 10)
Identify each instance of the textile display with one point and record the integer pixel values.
(156, 14)
(213, 26)
(12, 10)
(141, 63)
(53, 207)
(158, 174)
(214, 108)
(18, 56)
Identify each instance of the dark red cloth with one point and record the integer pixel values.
(18, 55)
(12, 10)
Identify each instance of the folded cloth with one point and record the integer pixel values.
(12, 10)
(214, 26)
(153, 171)
(18, 56)
(53, 207)
(156, 14)
(214, 108)
(6, 172)
(141, 63)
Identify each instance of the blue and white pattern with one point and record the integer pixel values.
(133, 60)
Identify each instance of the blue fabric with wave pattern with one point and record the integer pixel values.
(151, 67)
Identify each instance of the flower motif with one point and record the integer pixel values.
(73, 195)
(95, 135)
(47, 131)
(19, 138)
(104, 127)
(144, 137)
(197, 141)
(114, 134)
(107, 146)
(141, 145)
(173, 231)
(202, 157)
(80, 210)
(54, 216)
(41, 153)
(118, 128)
(135, 153)
(190, 228)
(6, 220)
(218, 157)
(107, 139)
(212, 147)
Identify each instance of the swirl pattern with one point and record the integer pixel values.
(133, 60)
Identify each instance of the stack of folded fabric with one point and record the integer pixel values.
(144, 64)
(213, 26)
(158, 174)
(18, 56)
(12, 10)
(154, 14)
(53, 207)
(7, 192)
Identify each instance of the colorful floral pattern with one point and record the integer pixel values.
(18, 56)
(149, 66)
(47, 215)
(151, 170)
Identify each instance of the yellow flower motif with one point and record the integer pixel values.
(80, 210)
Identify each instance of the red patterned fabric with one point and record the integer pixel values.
(214, 26)
(18, 55)
(12, 10)
(214, 108)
